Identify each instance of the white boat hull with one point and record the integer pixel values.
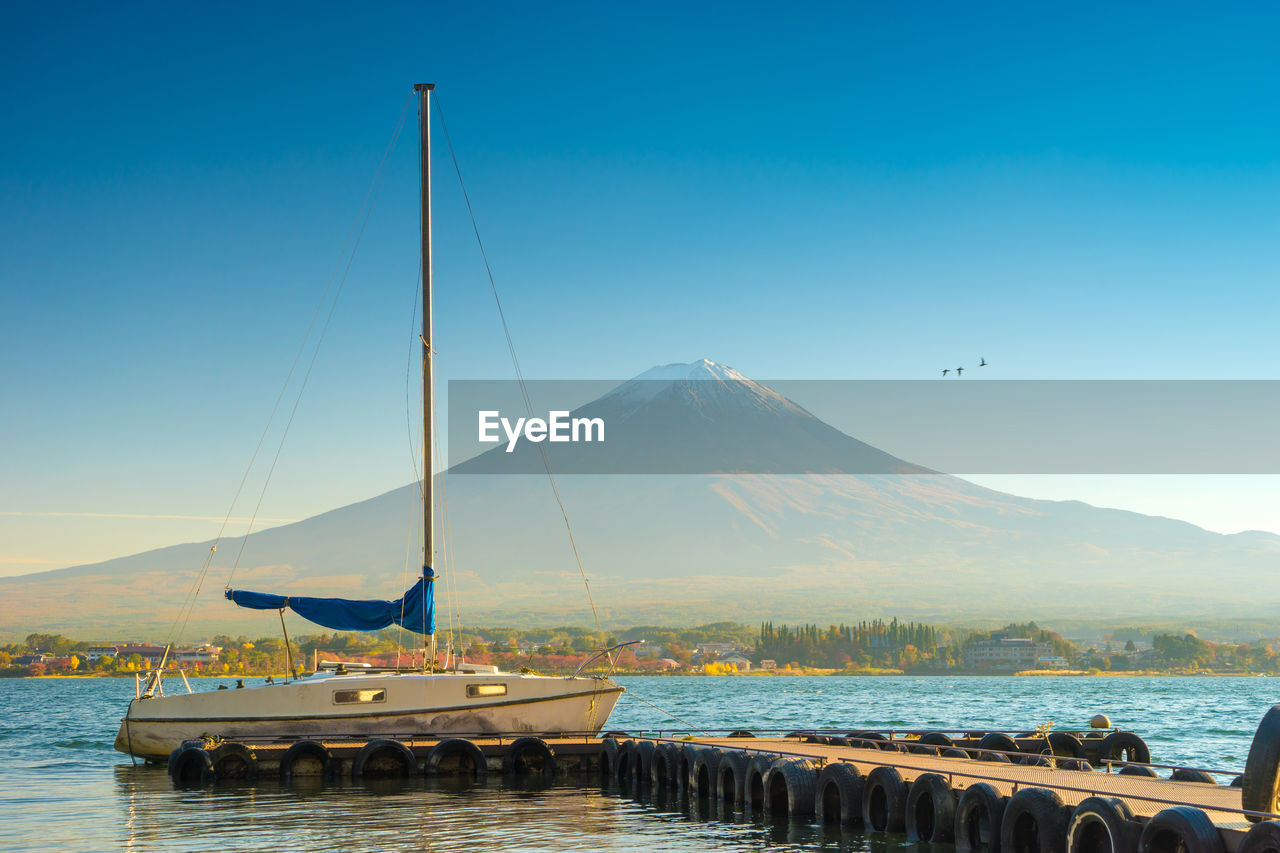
(383, 705)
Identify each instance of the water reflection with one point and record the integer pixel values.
(63, 788)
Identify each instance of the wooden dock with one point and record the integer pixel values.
(1024, 798)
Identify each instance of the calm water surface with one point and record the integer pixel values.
(63, 787)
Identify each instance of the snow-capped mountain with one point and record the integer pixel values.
(866, 535)
(698, 418)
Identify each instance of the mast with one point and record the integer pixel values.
(428, 392)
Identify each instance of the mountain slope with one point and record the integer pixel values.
(892, 540)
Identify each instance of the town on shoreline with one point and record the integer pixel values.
(723, 648)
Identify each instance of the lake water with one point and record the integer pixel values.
(63, 787)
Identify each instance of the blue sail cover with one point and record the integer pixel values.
(415, 610)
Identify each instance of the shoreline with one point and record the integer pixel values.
(813, 673)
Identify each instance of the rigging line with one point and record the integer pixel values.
(379, 175)
(446, 545)
(189, 603)
(413, 456)
(687, 725)
(515, 362)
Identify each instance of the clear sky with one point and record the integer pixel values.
(828, 190)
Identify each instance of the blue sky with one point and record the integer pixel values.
(825, 191)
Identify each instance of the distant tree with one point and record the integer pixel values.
(1130, 647)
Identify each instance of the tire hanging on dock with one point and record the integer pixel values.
(1264, 837)
(608, 760)
(1261, 784)
(839, 796)
(1035, 821)
(384, 758)
(234, 761)
(931, 810)
(529, 756)
(191, 767)
(308, 758)
(732, 781)
(1102, 825)
(1181, 828)
(790, 788)
(704, 773)
(998, 741)
(1124, 746)
(1065, 745)
(456, 757)
(884, 801)
(979, 815)
(662, 768)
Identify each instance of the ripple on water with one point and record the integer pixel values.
(63, 786)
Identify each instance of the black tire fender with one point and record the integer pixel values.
(645, 750)
(464, 751)
(1076, 764)
(1261, 784)
(301, 752)
(979, 816)
(178, 751)
(998, 757)
(884, 801)
(931, 810)
(740, 733)
(386, 757)
(685, 759)
(1180, 828)
(1036, 761)
(731, 781)
(1264, 837)
(937, 739)
(753, 789)
(608, 759)
(192, 767)
(866, 740)
(1124, 746)
(1065, 745)
(529, 756)
(704, 773)
(839, 795)
(1183, 774)
(998, 741)
(624, 770)
(1137, 770)
(1102, 825)
(954, 753)
(791, 788)
(1035, 821)
(662, 768)
(234, 761)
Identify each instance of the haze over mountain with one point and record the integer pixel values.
(867, 535)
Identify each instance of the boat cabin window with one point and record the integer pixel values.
(475, 690)
(348, 697)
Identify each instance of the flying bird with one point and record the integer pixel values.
(982, 362)
(946, 371)
(959, 370)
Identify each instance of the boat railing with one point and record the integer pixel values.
(150, 682)
(613, 662)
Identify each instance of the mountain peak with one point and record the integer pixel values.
(703, 368)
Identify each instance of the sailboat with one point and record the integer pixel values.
(353, 701)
